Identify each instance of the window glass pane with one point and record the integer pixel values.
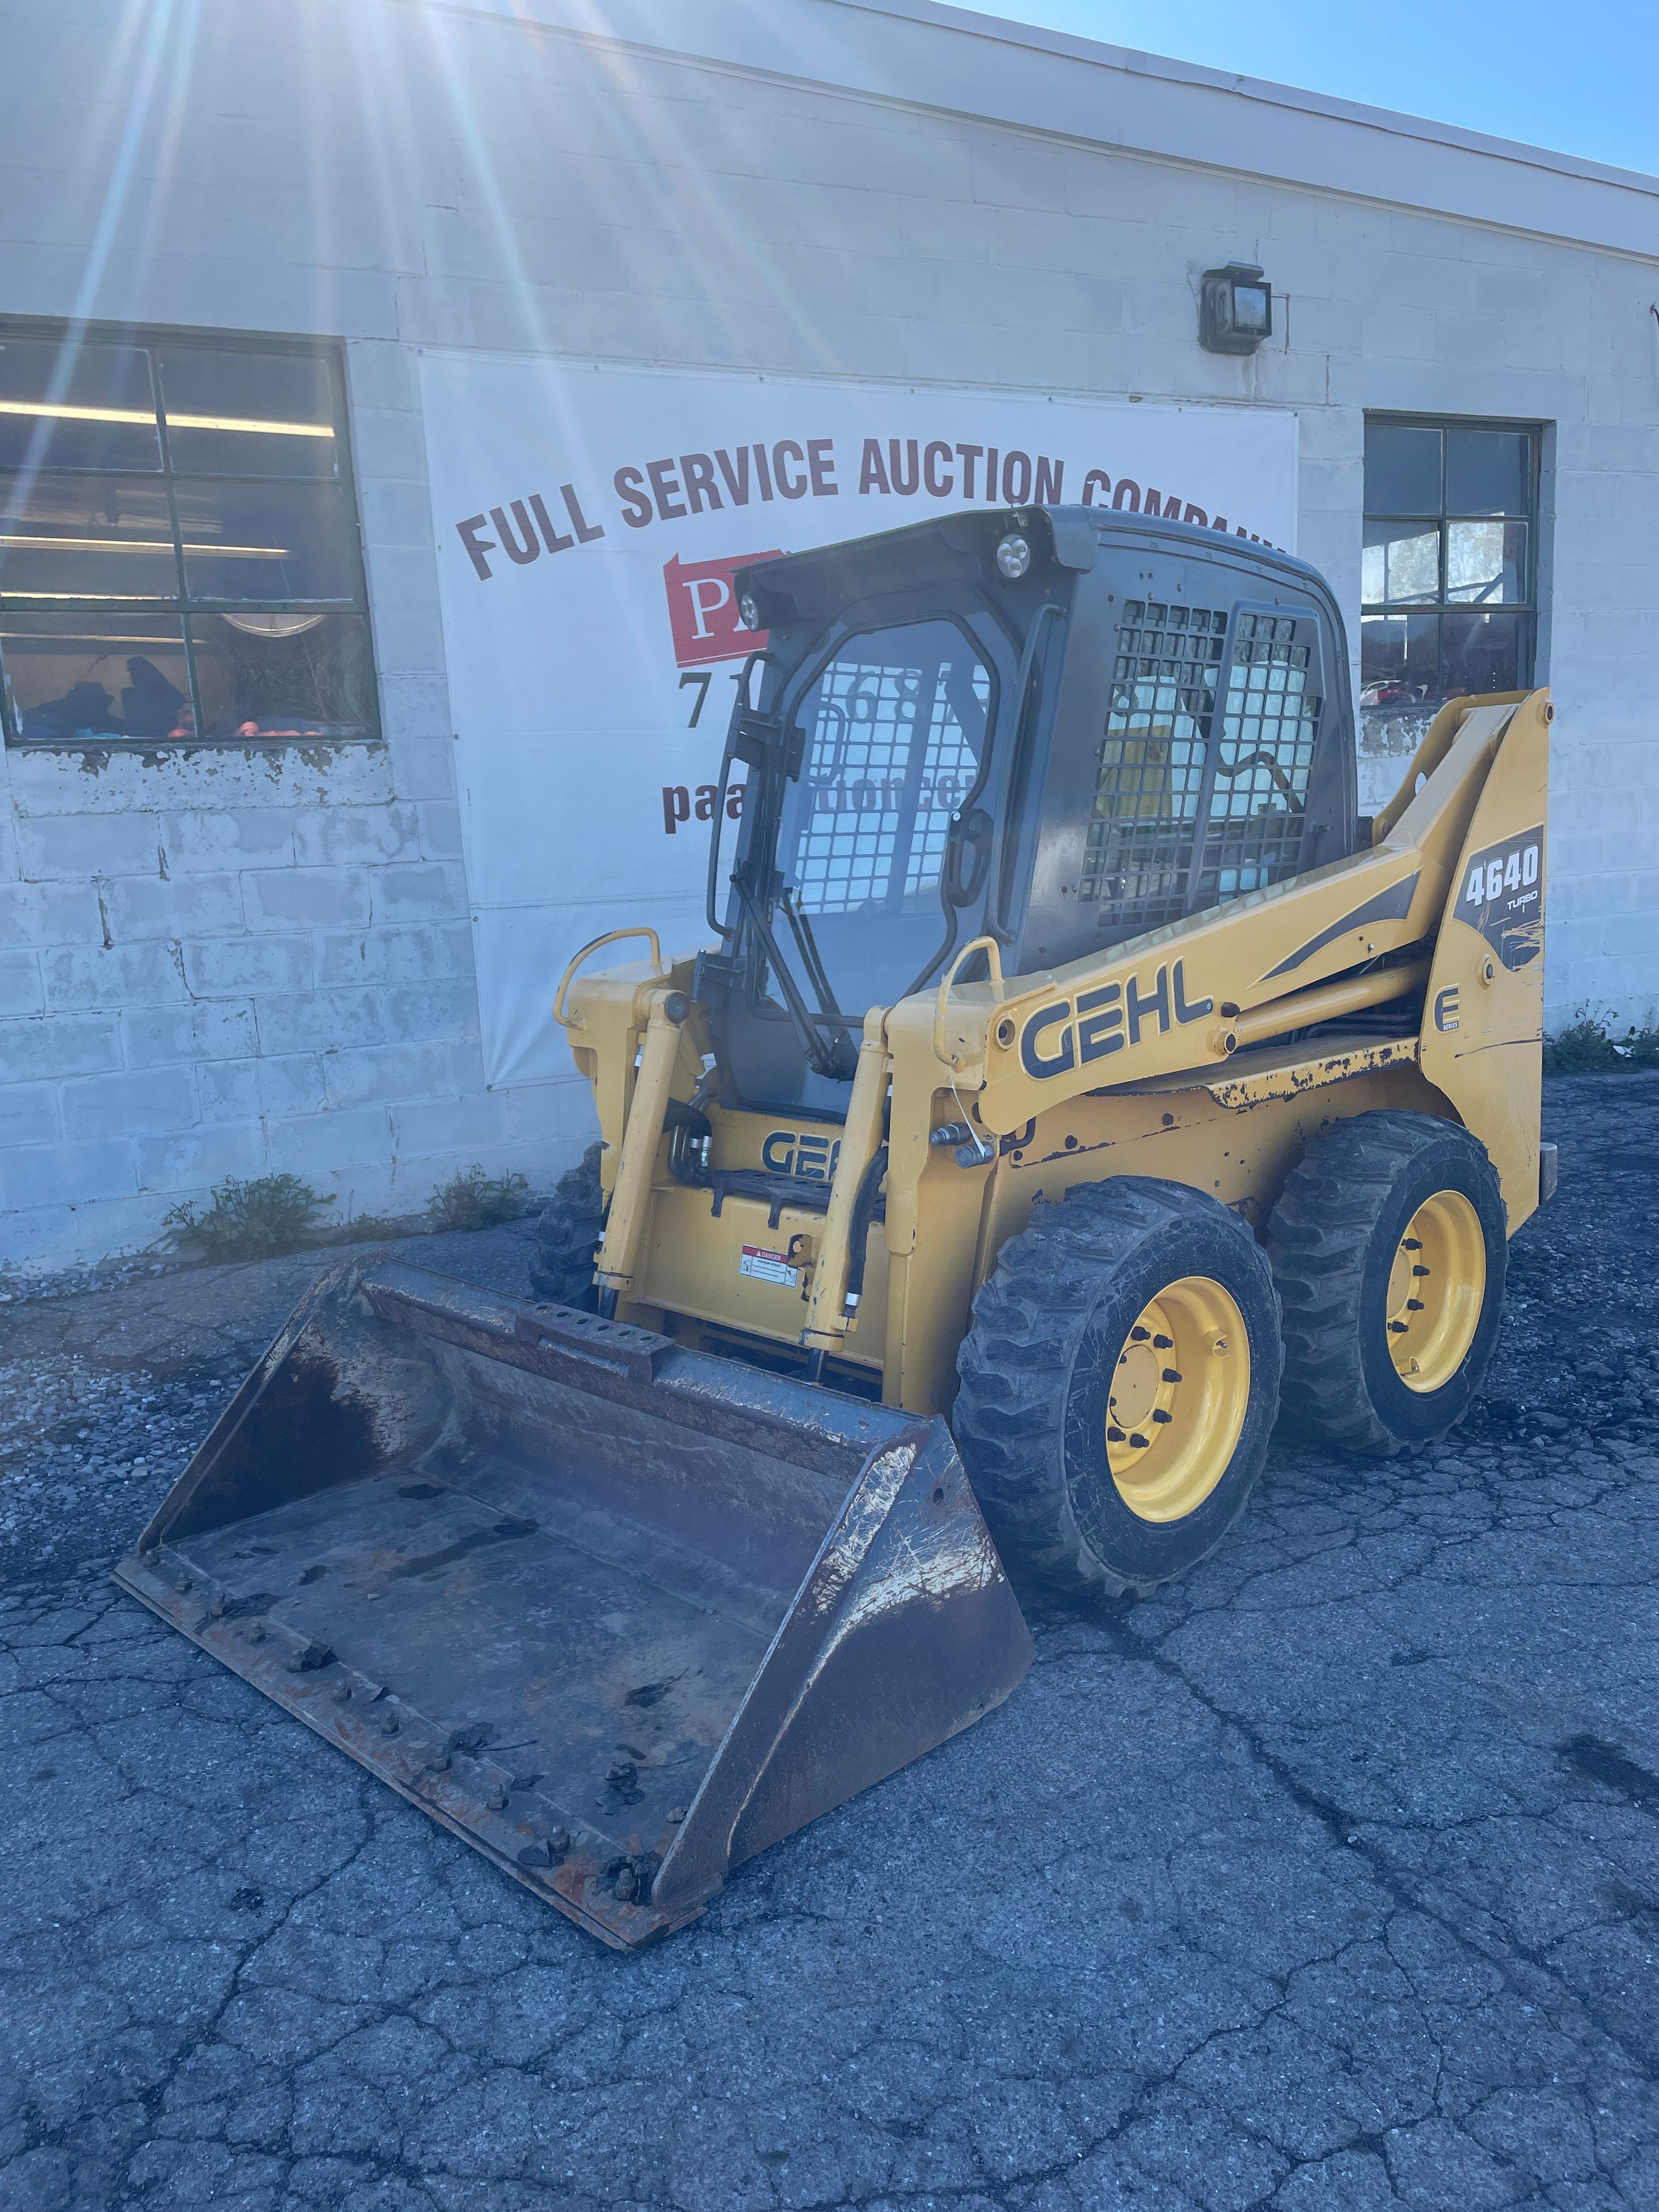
(283, 676)
(1487, 562)
(1402, 468)
(1486, 653)
(1399, 660)
(1488, 472)
(1399, 564)
(248, 414)
(87, 537)
(264, 541)
(89, 408)
(897, 729)
(76, 677)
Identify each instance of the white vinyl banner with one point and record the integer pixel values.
(588, 522)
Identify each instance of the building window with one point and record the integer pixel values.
(1449, 574)
(178, 554)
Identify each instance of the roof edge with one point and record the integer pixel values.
(934, 58)
(1397, 122)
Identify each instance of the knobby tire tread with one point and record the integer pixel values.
(562, 1258)
(1015, 1361)
(1318, 1239)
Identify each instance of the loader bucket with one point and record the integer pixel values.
(618, 1614)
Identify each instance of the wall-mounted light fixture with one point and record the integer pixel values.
(1235, 308)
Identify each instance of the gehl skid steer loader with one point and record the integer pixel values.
(1076, 1088)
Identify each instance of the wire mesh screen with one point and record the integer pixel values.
(896, 727)
(1140, 850)
(1269, 723)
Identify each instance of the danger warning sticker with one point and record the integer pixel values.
(768, 1266)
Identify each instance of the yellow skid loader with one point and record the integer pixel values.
(1073, 1088)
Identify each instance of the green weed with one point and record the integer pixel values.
(473, 1200)
(1586, 1046)
(251, 1220)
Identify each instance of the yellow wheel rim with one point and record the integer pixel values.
(1436, 1288)
(1178, 1398)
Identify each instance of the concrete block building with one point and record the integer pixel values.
(238, 912)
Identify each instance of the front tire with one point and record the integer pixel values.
(1119, 1384)
(1388, 1246)
(572, 1223)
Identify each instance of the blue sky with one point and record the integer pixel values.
(1582, 77)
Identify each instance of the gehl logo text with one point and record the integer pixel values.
(1072, 1032)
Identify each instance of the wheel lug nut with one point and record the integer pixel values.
(1172, 1374)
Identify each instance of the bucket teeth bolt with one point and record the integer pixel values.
(182, 1584)
(497, 1799)
(342, 1693)
(389, 1725)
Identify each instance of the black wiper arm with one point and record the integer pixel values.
(817, 975)
(829, 1059)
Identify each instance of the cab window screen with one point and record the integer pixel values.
(894, 730)
(1269, 726)
(1152, 757)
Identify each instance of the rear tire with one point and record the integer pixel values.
(1388, 1246)
(573, 1220)
(1119, 1384)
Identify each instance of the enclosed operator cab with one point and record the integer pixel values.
(1057, 727)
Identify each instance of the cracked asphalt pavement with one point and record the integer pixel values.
(1328, 1878)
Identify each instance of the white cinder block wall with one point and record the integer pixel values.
(234, 961)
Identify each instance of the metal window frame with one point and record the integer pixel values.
(1440, 606)
(153, 340)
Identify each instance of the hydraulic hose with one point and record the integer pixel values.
(858, 1235)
